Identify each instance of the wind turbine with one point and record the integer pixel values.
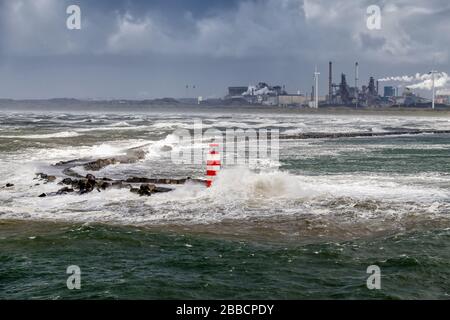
(356, 82)
(316, 91)
(432, 72)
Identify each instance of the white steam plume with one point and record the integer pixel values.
(398, 78)
(425, 80)
(440, 81)
(443, 92)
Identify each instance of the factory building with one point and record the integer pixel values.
(443, 100)
(339, 94)
(343, 94)
(236, 91)
(389, 91)
(262, 93)
(443, 97)
(409, 98)
(292, 100)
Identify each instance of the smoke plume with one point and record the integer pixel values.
(425, 80)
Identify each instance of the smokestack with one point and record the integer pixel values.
(330, 80)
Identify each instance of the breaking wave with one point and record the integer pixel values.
(64, 134)
(237, 194)
(349, 193)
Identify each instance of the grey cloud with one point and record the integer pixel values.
(278, 40)
(371, 42)
(270, 27)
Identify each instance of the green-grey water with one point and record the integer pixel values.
(134, 263)
(306, 229)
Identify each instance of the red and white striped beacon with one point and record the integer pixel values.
(212, 163)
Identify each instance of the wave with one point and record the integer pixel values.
(112, 127)
(107, 149)
(242, 183)
(240, 194)
(120, 124)
(161, 147)
(64, 134)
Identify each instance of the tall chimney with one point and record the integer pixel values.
(330, 80)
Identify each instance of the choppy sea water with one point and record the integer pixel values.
(306, 229)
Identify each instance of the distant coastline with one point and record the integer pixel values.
(62, 104)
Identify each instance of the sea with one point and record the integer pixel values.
(308, 226)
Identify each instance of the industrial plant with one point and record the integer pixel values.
(344, 93)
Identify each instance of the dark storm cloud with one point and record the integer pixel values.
(141, 49)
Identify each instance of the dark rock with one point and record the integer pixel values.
(42, 195)
(8, 185)
(46, 177)
(99, 164)
(138, 180)
(64, 190)
(71, 173)
(117, 184)
(84, 187)
(90, 186)
(41, 175)
(90, 183)
(105, 185)
(81, 184)
(67, 181)
(146, 189)
(161, 189)
(51, 178)
(134, 190)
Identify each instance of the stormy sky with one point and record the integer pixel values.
(148, 49)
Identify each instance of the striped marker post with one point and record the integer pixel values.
(212, 163)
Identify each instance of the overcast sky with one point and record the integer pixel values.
(148, 49)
